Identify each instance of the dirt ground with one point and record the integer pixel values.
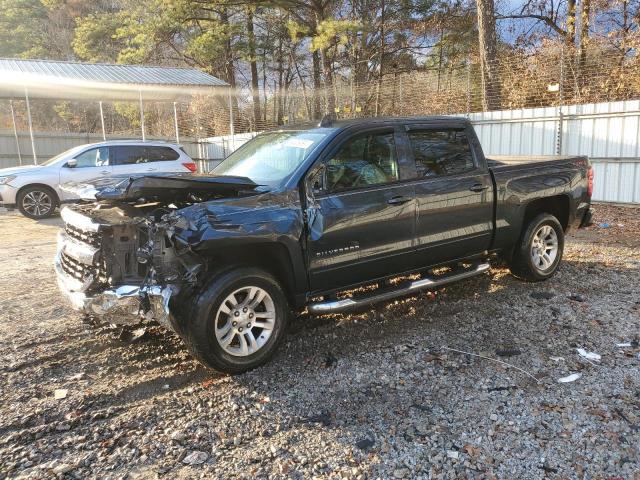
(381, 394)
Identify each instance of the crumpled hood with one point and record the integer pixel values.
(26, 169)
(168, 187)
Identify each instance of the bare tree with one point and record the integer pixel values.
(488, 44)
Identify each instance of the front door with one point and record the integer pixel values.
(362, 220)
(454, 194)
(90, 164)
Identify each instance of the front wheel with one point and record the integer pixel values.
(539, 249)
(37, 202)
(238, 321)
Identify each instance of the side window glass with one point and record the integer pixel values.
(161, 154)
(364, 160)
(129, 155)
(96, 157)
(441, 152)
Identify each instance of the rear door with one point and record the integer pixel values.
(454, 195)
(130, 159)
(362, 218)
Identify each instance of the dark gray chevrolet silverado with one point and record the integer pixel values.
(301, 217)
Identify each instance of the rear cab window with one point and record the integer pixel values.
(441, 151)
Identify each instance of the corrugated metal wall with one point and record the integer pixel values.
(608, 133)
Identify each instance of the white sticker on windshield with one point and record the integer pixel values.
(298, 143)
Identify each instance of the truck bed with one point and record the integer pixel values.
(520, 180)
(497, 162)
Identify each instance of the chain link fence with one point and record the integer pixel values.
(551, 76)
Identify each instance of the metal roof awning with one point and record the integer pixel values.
(89, 81)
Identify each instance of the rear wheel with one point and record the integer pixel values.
(539, 249)
(37, 202)
(238, 321)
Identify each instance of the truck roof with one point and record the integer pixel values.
(329, 122)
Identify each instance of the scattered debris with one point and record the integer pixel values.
(576, 297)
(631, 344)
(323, 418)
(621, 414)
(133, 336)
(588, 355)
(570, 378)
(557, 359)
(542, 295)
(604, 225)
(471, 450)
(195, 458)
(330, 360)
(60, 393)
(501, 389)
(453, 454)
(494, 360)
(365, 444)
(549, 469)
(508, 352)
(62, 469)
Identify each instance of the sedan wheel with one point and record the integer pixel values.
(37, 202)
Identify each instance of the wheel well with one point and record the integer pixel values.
(273, 258)
(558, 206)
(41, 185)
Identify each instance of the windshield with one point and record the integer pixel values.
(270, 158)
(53, 160)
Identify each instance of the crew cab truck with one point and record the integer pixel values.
(299, 218)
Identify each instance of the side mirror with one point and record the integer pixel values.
(316, 181)
(72, 163)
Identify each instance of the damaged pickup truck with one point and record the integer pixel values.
(301, 218)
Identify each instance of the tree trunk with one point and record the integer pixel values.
(488, 44)
(230, 72)
(253, 64)
(328, 81)
(279, 95)
(571, 23)
(317, 85)
(380, 58)
(307, 105)
(585, 16)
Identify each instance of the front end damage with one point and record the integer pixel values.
(119, 259)
(122, 270)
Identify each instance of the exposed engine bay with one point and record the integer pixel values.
(120, 254)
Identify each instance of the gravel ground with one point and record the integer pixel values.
(382, 394)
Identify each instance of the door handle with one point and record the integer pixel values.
(105, 172)
(399, 200)
(151, 169)
(478, 187)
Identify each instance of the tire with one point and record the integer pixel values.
(37, 202)
(527, 262)
(204, 330)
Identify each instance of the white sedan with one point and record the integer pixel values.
(35, 190)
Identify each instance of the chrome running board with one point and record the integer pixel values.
(332, 306)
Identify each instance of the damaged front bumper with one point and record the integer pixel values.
(122, 305)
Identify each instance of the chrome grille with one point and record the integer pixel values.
(77, 270)
(91, 238)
